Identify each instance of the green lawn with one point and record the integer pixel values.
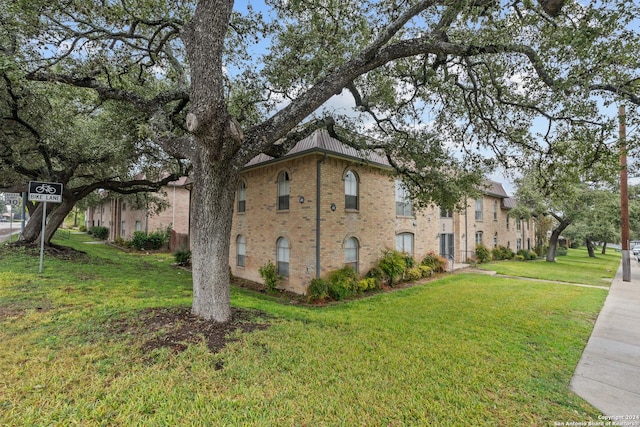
(463, 350)
(575, 267)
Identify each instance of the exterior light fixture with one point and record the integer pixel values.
(333, 207)
(301, 199)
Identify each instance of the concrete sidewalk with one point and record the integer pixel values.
(5, 237)
(608, 374)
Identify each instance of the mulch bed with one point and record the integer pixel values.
(176, 328)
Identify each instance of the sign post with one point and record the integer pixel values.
(12, 199)
(44, 192)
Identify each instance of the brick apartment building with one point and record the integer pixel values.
(122, 218)
(325, 205)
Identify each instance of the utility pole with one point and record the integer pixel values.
(624, 196)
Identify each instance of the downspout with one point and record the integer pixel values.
(466, 234)
(318, 190)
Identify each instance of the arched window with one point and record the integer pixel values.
(495, 210)
(241, 250)
(283, 191)
(282, 247)
(404, 243)
(351, 253)
(242, 197)
(350, 190)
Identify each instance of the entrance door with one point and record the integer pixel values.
(447, 249)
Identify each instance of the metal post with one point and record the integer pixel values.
(24, 209)
(10, 221)
(624, 198)
(44, 219)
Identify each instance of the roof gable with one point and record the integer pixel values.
(321, 142)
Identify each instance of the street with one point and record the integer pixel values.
(7, 227)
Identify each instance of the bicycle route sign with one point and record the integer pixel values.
(45, 192)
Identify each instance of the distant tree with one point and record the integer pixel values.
(59, 134)
(562, 182)
(599, 221)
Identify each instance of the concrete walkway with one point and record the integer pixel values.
(608, 374)
(5, 237)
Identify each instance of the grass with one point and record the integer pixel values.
(575, 267)
(463, 350)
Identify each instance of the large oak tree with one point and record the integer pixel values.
(58, 134)
(221, 85)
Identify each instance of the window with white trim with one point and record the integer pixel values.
(282, 256)
(478, 209)
(351, 253)
(404, 205)
(350, 190)
(404, 243)
(283, 191)
(241, 250)
(242, 197)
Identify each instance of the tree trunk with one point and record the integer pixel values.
(56, 213)
(604, 248)
(57, 216)
(212, 213)
(33, 226)
(590, 248)
(553, 244)
(553, 240)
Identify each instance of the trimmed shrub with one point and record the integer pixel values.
(152, 241)
(183, 257)
(561, 251)
(434, 261)
(269, 274)
(392, 264)
(425, 270)
(99, 232)
(375, 273)
(318, 290)
(139, 240)
(519, 258)
(482, 254)
(412, 274)
(157, 239)
(82, 229)
(368, 284)
(502, 252)
(409, 261)
(342, 283)
(527, 255)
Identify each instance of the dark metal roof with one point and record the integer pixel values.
(509, 203)
(320, 141)
(493, 188)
